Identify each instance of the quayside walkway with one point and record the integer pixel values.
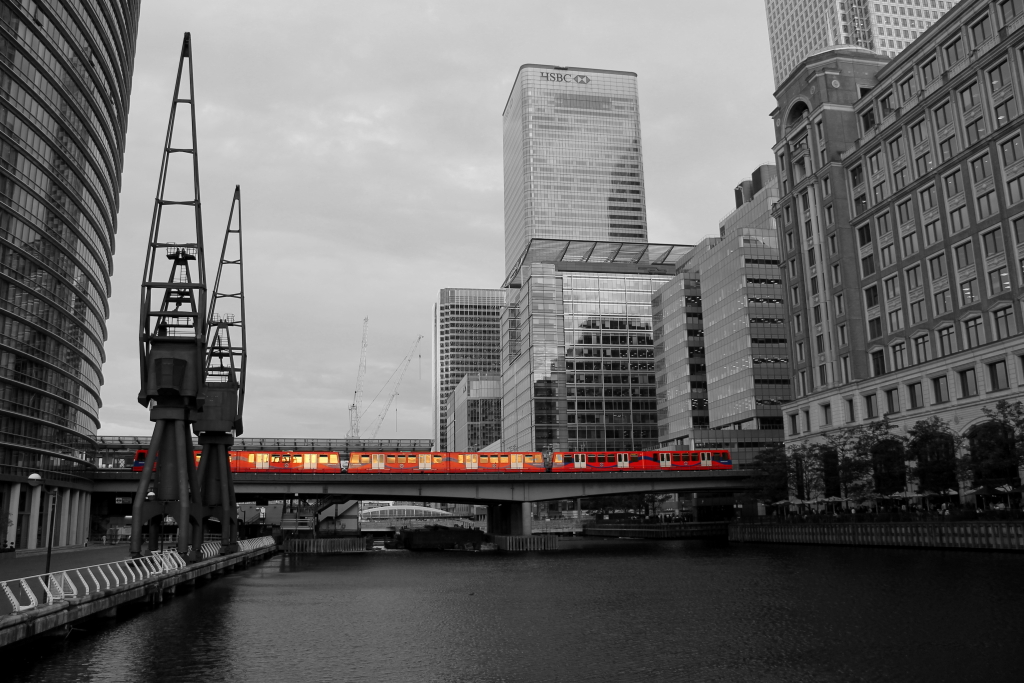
(33, 605)
(977, 535)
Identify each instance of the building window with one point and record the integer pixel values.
(875, 162)
(987, 205)
(826, 186)
(814, 285)
(1015, 190)
(972, 333)
(800, 351)
(789, 240)
(993, 242)
(877, 363)
(964, 255)
(896, 147)
(910, 245)
(954, 183)
(840, 304)
(929, 71)
(981, 168)
(851, 412)
(917, 312)
(1002, 322)
(883, 224)
(958, 220)
(904, 212)
(899, 180)
(943, 115)
(969, 292)
(829, 218)
(793, 425)
(878, 193)
(836, 274)
(867, 265)
(970, 97)
(794, 296)
(921, 349)
(918, 132)
(820, 342)
(888, 255)
(871, 296)
(913, 278)
(845, 363)
(942, 302)
(924, 164)
(916, 395)
(1005, 112)
(842, 335)
(1011, 149)
(860, 204)
(968, 383)
(822, 375)
(932, 233)
(817, 315)
(874, 328)
(826, 413)
(832, 245)
(1011, 9)
(940, 389)
(864, 235)
(946, 342)
(899, 356)
(871, 406)
(892, 401)
(947, 148)
(998, 281)
(981, 31)
(975, 131)
(857, 175)
(895, 320)
(937, 267)
(997, 377)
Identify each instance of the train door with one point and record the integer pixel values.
(309, 461)
(516, 460)
(622, 460)
(376, 461)
(580, 460)
(705, 459)
(472, 459)
(425, 461)
(263, 461)
(665, 460)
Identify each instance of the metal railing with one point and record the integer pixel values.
(44, 589)
(32, 591)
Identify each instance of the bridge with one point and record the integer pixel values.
(507, 495)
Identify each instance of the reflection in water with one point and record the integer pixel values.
(668, 611)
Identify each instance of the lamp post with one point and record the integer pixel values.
(34, 480)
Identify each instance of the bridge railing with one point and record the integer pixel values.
(43, 589)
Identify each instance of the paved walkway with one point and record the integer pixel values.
(13, 568)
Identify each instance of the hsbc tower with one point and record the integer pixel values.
(573, 159)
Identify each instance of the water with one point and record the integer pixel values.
(641, 612)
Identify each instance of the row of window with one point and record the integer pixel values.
(911, 396)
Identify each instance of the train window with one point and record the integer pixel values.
(332, 458)
(365, 458)
(634, 457)
(391, 459)
(591, 458)
(323, 459)
(460, 457)
(675, 457)
(275, 458)
(504, 460)
(558, 458)
(438, 459)
(252, 457)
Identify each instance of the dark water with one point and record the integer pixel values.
(649, 612)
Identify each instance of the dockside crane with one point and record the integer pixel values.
(394, 392)
(172, 345)
(220, 420)
(355, 410)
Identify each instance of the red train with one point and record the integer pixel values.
(455, 463)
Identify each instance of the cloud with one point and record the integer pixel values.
(367, 141)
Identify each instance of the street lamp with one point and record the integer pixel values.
(151, 496)
(35, 480)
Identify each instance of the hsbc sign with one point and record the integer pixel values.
(565, 78)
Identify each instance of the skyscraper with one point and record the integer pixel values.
(797, 28)
(66, 78)
(467, 340)
(573, 159)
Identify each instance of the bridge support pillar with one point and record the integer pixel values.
(510, 519)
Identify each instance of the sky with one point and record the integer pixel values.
(366, 137)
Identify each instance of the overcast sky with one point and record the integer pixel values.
(366, 137)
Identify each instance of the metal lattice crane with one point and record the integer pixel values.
(172, 344)
(220, 420)
(356, 409)
(387, 406)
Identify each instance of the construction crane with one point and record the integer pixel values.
(401, 373)
(356, 409)
(172, 345)
(220, 420)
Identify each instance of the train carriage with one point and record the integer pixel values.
(602, 461)
(691, 460)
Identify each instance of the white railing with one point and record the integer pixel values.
(44, 589)
(32, 591)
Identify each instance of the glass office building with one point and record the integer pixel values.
(577, 345)
(720, 334)
(573, 158)
(474, 413)
(467, 340)
(66, 78)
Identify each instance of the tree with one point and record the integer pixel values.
(933, 445)
(997, 446)
(771, 474)
(888, 465)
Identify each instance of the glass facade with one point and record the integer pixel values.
(474, 413)
(720, 334)
(578, 346)
(66, 78)
(573, 158)
(467, 340)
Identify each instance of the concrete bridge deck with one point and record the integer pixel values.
(526, 487)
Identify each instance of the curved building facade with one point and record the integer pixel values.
(65, 80)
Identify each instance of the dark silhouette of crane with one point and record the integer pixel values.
(220, 420)
(172, 345)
